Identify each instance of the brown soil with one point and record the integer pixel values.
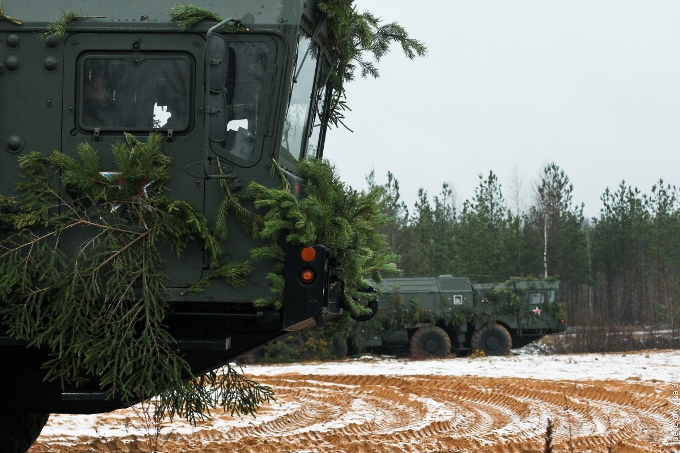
(314, 413)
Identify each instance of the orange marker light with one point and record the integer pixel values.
(307, 276)
(308, 254)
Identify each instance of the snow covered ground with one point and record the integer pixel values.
(621, 401)
(645, 365)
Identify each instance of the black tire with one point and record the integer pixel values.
(493, 340)
(428, 342)
(18, 430)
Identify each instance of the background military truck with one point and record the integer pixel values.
(153, 162)
(433, 316)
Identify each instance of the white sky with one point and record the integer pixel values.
(510, 86)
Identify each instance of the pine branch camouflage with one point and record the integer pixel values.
(332, 214)
(82, 272)
(101, 310)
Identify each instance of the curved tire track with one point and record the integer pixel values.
(425, 413)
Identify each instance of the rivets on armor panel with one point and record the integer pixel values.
(12, 63)
(13, 41)
(51, 64)
(52, 41)
(14, 144)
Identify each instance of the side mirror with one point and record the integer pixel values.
(216, 59)
(220, 65)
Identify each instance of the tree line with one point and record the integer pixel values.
(621, 267)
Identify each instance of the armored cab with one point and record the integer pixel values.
(237, 96)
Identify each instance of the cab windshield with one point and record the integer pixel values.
(303, 130)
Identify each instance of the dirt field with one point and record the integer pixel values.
(322, 412)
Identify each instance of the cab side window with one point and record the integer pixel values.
(134, 92)
(237, 84)
(536, 298)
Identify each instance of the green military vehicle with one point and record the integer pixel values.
(434, 316)
(113, 273)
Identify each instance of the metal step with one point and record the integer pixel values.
(84, 396)
(205, 345)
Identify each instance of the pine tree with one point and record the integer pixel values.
(663, 241)
(396, 230)
(559, 223)
(432, 230)
(481, 232)
(617, 252)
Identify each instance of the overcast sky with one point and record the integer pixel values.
(510, 86)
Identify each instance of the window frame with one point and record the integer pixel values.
(190, 98)
(267, 103)
(322, 59)
(534, 294)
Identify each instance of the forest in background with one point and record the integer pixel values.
(619, 268)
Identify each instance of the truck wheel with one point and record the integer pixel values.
(430, 341)
(18, 430)
(493, 340)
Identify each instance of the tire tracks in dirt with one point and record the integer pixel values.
(366, 413)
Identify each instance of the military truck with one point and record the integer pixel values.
(237, 96)
(434, 316)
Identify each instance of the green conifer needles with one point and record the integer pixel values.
(187, 16)
(226, 388)
(331, 214)
(100, 308)
(357, 36)
(82, 274)
(58, 27)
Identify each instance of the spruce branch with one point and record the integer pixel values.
(6, 18)
(360, 41)
(232, 205)
(331, 214)
(58, 27)
(227, 388)
(187, 16)
(233, 273)
(101, 311)
(275, 299)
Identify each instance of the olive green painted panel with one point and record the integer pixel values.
(135, 13)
